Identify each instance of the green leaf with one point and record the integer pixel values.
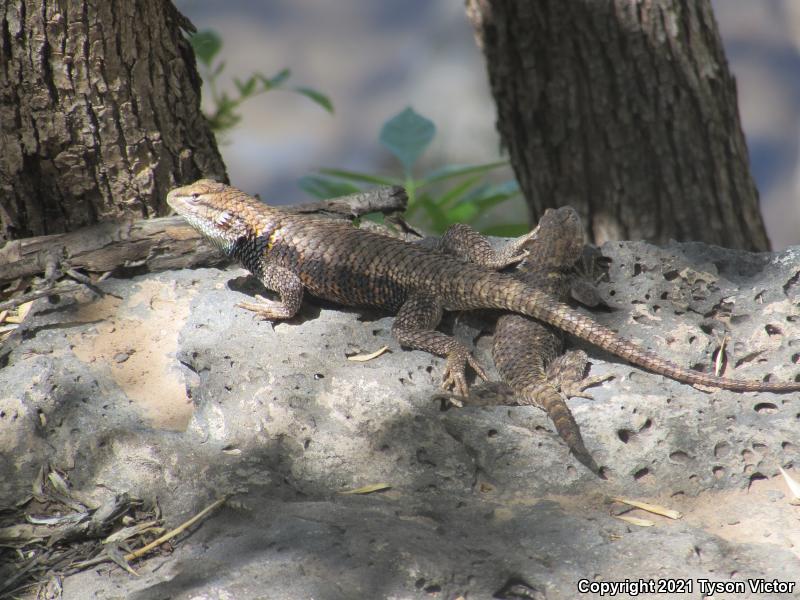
(406, 135)
(451, 171)
(223, 119)
(322, 187)
(507, 230)
(248, 87)
(463, 213)
(225, 116)
(375, 217)
(206, 45)
(360, 177)
(275, 80)
(219, 69)
(317, 97)
(456, 193)
(492, 195)
(437, 216)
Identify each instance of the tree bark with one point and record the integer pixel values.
(625, 110)
(99, 113)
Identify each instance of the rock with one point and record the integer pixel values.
(484, 501)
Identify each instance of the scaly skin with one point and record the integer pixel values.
(528, 353)
(291, 253)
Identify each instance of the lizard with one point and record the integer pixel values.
(529, 354)
(293, 253)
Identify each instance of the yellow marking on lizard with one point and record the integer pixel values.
(273, 237)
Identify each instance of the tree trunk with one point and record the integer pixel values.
(625, 110)
(99, 113)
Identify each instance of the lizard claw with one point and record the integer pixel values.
(477, 367)
(511, 260)
(455, 380)
(577, 389)
(454, 373)
(449, 400)
(266, 309)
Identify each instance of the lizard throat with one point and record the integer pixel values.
(213, 234)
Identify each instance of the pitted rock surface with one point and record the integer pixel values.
(164, 388)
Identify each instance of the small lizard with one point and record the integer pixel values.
(290, 253)
(528, 353)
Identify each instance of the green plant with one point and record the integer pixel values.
(207, 45)
(447, 195)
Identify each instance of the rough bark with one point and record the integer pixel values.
(152, 244)
(625, 110)
(99, 113)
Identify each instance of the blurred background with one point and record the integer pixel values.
(372, 59)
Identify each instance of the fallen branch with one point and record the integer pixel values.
(386, 200)
(156, 244)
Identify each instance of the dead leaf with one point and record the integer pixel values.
(794, 486)
(368, 489)
(651, 508)
(720, 357)
(22, 312)
(58, 483)
(635, 521)
(370, 356)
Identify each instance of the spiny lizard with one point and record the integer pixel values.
(529, 354)
(291, 253)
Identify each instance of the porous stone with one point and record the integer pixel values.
(210, 400)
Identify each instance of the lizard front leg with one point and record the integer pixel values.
(462, 241)
(414, 327)
(289, 288)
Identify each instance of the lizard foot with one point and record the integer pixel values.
(514, 252)
(267, 309)
(566, 373)
(507, 261)
(454, 373)
(454, 378)
(576, 389)
(448, 400)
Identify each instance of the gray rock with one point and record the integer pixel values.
(210, 400)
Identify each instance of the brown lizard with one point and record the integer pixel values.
(291, 253)
(529, 354)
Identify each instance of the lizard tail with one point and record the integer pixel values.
(535, 303)
(552, 402)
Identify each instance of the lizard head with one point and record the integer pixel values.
(222, 213)
(560, 236)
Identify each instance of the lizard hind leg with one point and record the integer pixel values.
(522, 351)
(414, 327)
(567, 373)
